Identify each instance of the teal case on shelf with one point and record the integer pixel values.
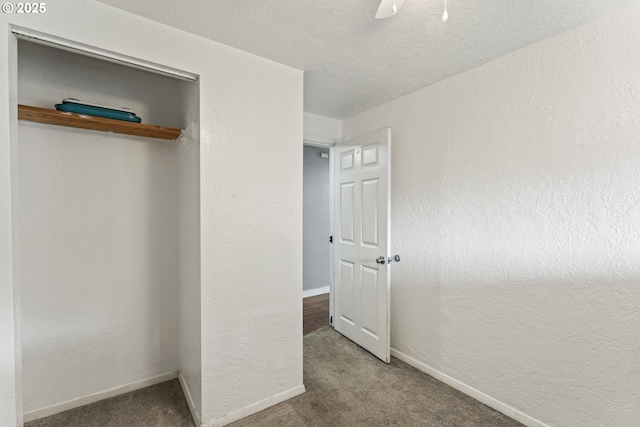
(98, 112)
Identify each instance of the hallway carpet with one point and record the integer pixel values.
(346, 386)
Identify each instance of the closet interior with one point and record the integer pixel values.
(108, 231)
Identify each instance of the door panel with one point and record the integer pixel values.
(370, 300)
(346, 212)
(346, 291)
(370, 156)
(361, 209)
(370, 192)
(346, 160)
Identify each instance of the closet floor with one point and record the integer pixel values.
(161, 405)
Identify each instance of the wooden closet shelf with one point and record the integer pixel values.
(74, 120)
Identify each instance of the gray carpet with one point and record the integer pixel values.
(161, 405)
(346, 386)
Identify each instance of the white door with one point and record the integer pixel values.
(361, 208)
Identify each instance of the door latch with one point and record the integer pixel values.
(330, 239)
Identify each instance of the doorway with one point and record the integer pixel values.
(316, 236)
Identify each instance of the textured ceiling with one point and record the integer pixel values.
(354, 62)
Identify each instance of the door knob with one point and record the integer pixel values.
(395, 258)
(381, 260)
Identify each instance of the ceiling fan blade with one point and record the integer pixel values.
(385, 9)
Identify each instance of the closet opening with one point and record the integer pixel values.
(107, 230)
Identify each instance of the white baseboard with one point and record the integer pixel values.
(470, 391)
(190, 403)
(255, 407)
(96, 397)
(314, 292)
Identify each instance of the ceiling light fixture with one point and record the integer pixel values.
(388, 8)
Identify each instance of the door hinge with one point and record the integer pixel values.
(330, 239)
(331, 319)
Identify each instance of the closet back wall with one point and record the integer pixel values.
(98, 232)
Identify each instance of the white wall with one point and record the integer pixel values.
(515, 208)
(189, 267)
(316, 225)
(251, 189)
(246, 104)
(98, 232)
(10, 348)
(321, 129)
